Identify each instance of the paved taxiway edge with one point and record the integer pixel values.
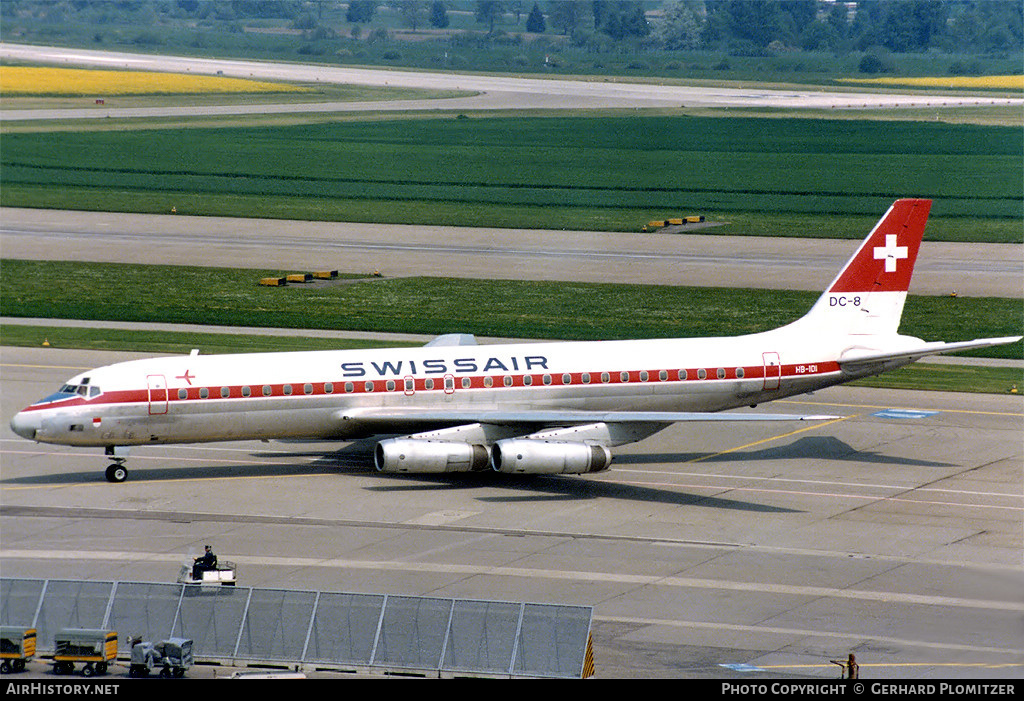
(897, 538)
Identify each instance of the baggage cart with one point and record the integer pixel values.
(96, 648)
(17, 646)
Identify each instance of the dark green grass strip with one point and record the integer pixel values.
(502, 308)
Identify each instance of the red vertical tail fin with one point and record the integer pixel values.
(868, 294)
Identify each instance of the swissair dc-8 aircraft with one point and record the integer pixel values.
(454, 406)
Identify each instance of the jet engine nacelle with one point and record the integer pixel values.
(410, 455)
(531, 456)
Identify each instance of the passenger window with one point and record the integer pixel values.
(307, 388)
(182, 393)
(740, 373)
(225, 392)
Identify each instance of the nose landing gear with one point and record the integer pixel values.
(117, 472)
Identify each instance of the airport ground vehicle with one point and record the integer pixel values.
(17, 646)
(96, 648)
(222, 575)
(173, 657)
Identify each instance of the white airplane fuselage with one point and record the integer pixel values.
(320, 394)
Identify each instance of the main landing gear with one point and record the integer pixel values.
(117, 472)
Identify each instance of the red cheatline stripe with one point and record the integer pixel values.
(420, 384)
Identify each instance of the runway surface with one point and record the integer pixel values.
(491, 92)
(894, 536)
(399, 251)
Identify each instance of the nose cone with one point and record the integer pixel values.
(25, 424)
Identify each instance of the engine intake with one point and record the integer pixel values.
(410, 455)
(538, 457)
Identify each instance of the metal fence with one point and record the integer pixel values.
(310, 629)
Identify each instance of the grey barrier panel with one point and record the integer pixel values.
(276, 625)
(19, 601)
(212, 619)
(549, 643)
(344, 628)
(482, 636)
(71, 604)
(412, 634)
(326, 628)
(143, 611)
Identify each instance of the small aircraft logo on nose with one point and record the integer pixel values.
(188, 378)
(890, 252)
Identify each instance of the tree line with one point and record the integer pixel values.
(736, 27)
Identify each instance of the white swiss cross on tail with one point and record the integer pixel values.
(890, 253)
(885, 260)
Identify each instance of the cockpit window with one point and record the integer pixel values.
(84, 390)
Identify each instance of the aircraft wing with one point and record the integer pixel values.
(857, 359)
(559, 416)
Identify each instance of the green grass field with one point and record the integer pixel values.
(826, 178)
(503, 308)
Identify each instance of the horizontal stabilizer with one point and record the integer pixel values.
(862, 358)
(560, 417)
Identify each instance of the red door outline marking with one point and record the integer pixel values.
(157, 385)
(772, 370)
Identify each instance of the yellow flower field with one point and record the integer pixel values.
(46, 82)
(1001, 82)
